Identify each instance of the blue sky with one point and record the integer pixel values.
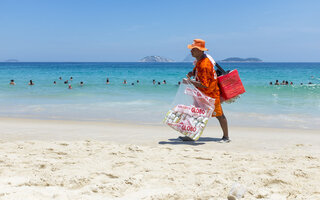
(56, 30)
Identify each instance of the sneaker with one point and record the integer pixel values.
(185, 138)
(224, 140)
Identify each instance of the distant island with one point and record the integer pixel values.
(155, 59)
(188, 58)
(11, 60)
(236, 59)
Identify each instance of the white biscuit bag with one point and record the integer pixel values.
(190, 111)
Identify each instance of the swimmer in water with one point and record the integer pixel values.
(31, 83)
(12, 82)
(277, 82)
(70, 87)
(125, 82)
(164, 82)
(81, 83)
(54, 82)
(107, 82)
(60, 78)
(154, 82)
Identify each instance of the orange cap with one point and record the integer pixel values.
(199, 44)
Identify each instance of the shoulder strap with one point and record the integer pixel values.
(222, 72)
(220, 68)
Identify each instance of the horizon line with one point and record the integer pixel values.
(153, 62)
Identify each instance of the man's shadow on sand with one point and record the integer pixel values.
(201, 141)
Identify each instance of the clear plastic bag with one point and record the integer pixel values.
(190, 111)
(237, 192)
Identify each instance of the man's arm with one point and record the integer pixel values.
(190, 74)
(195, 83)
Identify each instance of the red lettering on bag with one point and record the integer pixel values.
(198, 110)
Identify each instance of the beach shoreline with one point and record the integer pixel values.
(59, 159)
(139, 133)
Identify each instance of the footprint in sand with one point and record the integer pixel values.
(135, 148)
(42, 166)
(112, 176)
(61, 153)
(300, 173)
(202, 158)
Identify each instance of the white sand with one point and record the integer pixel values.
(43, 159)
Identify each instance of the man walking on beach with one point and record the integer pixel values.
(206, 81)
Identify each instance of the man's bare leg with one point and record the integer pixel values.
(224, 125)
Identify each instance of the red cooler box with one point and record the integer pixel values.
(230, 85)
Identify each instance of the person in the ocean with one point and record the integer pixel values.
(66, 82)
(70, 87)
(71, 78)
(132, 83)
(159, 83)
(179, 83)
(138, 81)
(60, 78)
(154, 82)
(31, 83)
(81, 83)
(54, 82)
(125, 82)
(12, 82)
(291, 83)
(107, 82)
(164, 82)
(277, 82)
(206, 81)
(270, 83)
(287, 83)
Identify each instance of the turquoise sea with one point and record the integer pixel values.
(284, 106)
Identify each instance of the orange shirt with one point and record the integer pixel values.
(207, 76)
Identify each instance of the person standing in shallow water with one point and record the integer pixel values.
(206, 81)
(31, 83)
